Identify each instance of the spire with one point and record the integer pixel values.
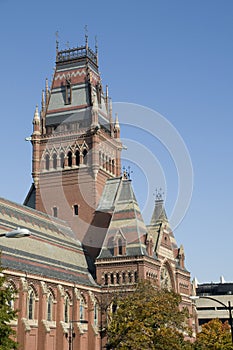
(86, 36)
(159, 213)
(43, 101)
(46, 91)
(96, 49)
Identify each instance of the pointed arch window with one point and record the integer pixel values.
(31, 304)
(50, 307)
(85, 157)
(120, 247)
(47, 162)
(96, 314)
(81, 310)
(54, 161)
(66, 309)
(62, 160)
(69, 155)
(77, 157)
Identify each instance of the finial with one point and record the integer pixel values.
(68, 45)
(36, 114)
(117, 125)
(86, 36)
(57, 42)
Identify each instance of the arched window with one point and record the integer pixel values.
(77, 158)
(123, 277)
(66, 308)
(31, 304)
(113, 166)
(85, 156)
(96, 314)
(62, 160)
(106, 279)
(54, 161)
(81, 310)
(112, 278)
(47, 162)
(50, 307)
(69, 155)
(117, 278)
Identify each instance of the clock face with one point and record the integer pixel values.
(165, 278)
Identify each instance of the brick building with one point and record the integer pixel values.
(88, 238)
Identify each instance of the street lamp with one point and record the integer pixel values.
(227, 307)
(71, 334)
(18, 233)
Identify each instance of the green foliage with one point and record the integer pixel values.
(214, 335)
(7, 314)
(148, 318)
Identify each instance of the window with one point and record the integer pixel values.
(49, 307)
(62, 160)
(66, 309)
(77, 157)
(96, 314)
(31, 304)
(120, 250)
(85, 156)
(81, 310)
(68, 92)
(54, 161)
(55, 212)
(69, 155)
(47, 162)
(76, 209)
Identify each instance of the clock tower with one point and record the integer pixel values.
(76, 144)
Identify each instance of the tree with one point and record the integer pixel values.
(148, 318)
(6, 315)
(214, 335)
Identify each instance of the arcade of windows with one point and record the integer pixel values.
(107, 163)
(71, 159)
(33, 307)
(119, 278)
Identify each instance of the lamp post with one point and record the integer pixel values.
(71, 334)
(227, 307)
(18, 233)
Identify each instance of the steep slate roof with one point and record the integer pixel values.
(159, 213)
(126, 222)
(51, 250)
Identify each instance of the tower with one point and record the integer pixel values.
(76, 144)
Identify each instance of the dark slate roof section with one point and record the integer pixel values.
(107, 200)
(126, 220)
(159, 213)
(50, 251)
(83, 117)
(30, 200)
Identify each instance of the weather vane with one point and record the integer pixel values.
(159, 194)
(127, 172)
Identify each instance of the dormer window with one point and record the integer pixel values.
(68, 91)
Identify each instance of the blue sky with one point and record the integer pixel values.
(174, 57)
